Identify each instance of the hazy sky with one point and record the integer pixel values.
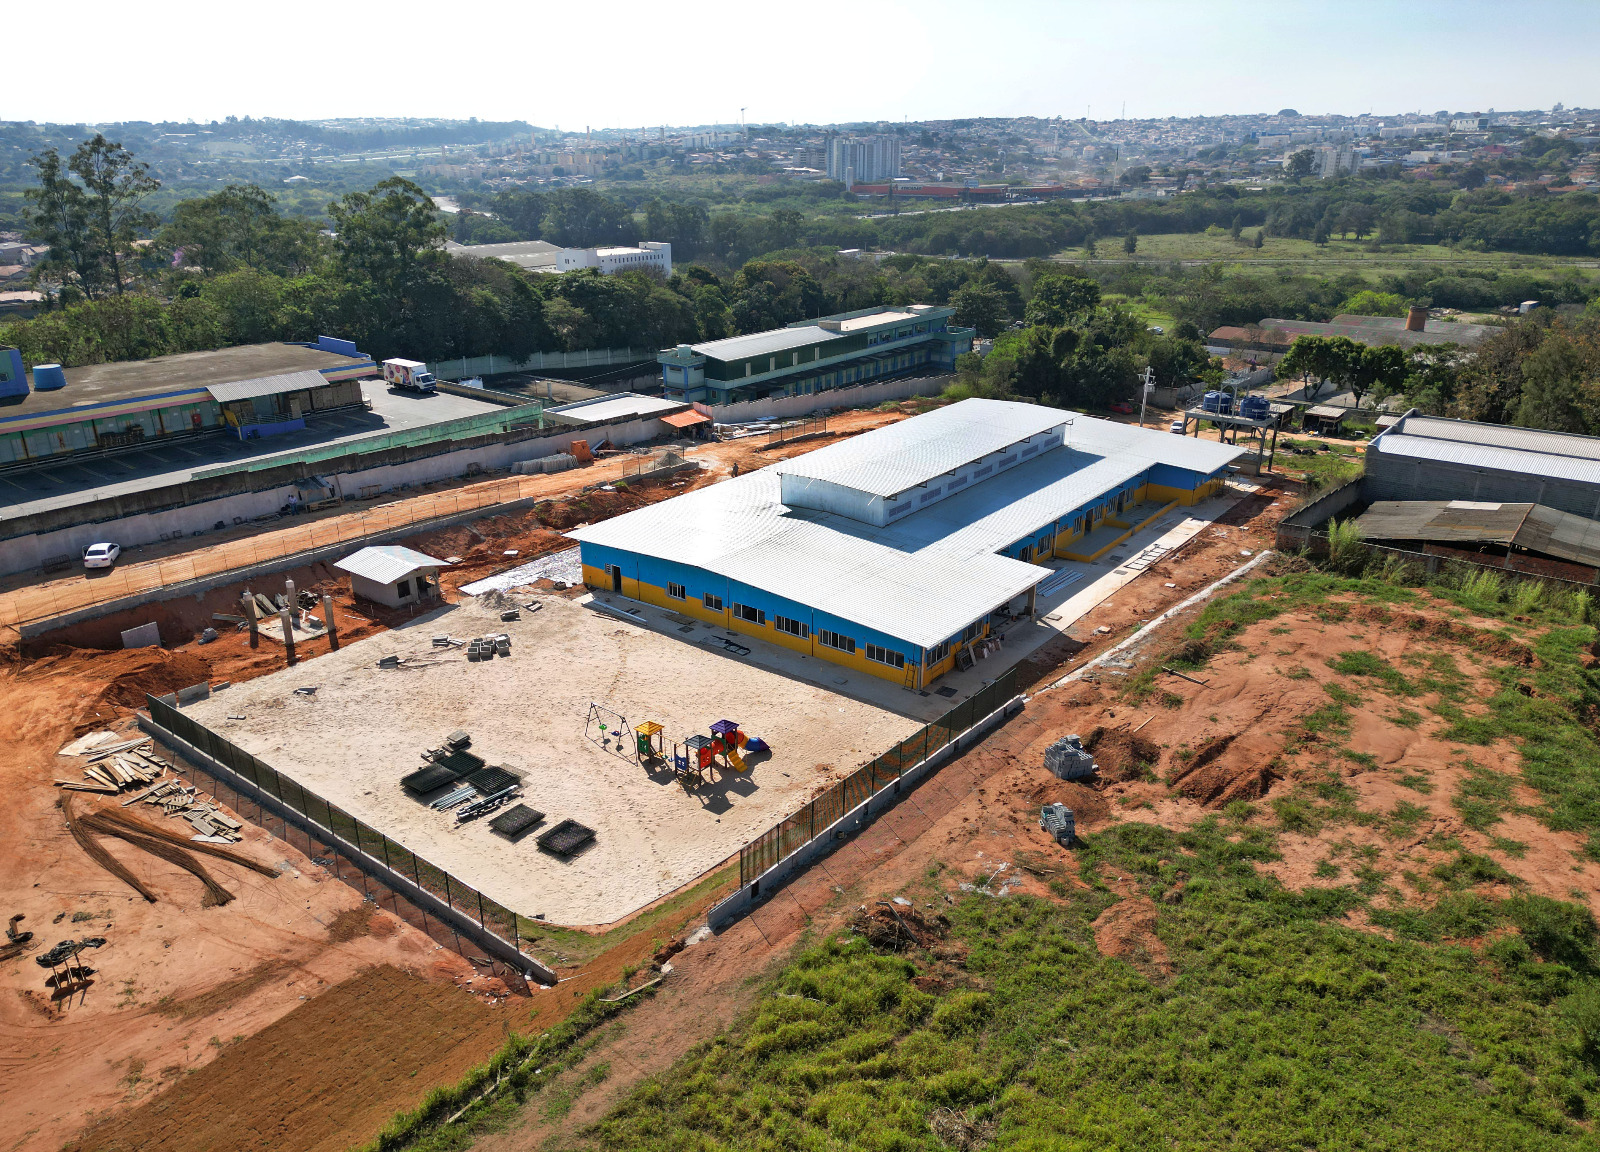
(622, 63)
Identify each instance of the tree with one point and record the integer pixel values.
(581, 218)
(981, 306)
(388, 234)
(1130, 243)
(115, 186)
(1236, 227)
(770, 294)
(239, 226)
(58, 216)
(1260, 240)
(1059, 299)
(1370, 303)
(1299, 164)
(786, 224)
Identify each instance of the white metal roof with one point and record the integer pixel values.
(858, 323)
(1486, 456)
(1502, 436)
(765, 343)
(619, 406)
(387, 563)
(267, 386)
(889, 460)
(922, 578)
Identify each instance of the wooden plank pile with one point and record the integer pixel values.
(115, 766)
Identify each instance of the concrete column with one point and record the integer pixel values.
(252, 618)
(294, 602)
(333, 629)
(1033, 601)
(288, 635)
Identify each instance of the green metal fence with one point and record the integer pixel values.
(341, 827)
(796, 831)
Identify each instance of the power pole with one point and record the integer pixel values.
(1149, 382)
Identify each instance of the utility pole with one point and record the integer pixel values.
(1149, 382)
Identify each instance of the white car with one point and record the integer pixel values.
(101, 555)
(1176, 426)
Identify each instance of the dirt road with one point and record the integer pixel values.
(37, 601)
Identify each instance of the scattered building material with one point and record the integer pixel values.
(1058, 821)
(565, 838)
(144, 636)
(1183, 676)
(516, 820)
(1068, 759)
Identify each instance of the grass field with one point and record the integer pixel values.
(1337, 255)
(1269, 1022)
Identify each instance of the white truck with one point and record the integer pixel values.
(409, 374)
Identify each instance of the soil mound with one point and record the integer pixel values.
(1127, 931)
(1119, 755)
(894, 927)
(1225, 770)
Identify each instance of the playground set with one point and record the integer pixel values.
(723, 751)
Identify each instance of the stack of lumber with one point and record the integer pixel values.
(183, 802)
(112, 767)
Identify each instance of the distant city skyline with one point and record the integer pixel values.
(701, 63)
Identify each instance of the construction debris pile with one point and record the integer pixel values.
(488, 647)
(113, 765)
(895, 925)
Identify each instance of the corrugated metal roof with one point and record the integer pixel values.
(892, 459)
(1532, 527)
(267, 386)
(387, 563)
(924, 577)
(1395, 443)
(764, 343)
(1504, 436)
(620, 406)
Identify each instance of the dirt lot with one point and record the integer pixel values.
(365, 727)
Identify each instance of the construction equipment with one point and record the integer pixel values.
(488, 804)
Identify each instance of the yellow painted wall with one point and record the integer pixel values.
(599, 580)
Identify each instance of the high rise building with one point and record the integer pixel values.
(863, 159)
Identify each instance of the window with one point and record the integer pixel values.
(972, 632)
(713, 602)
(792, 627)
(748, 614)
(937, 653)
(677, 592)
(403, 589)
(834, 640)
(882, 655)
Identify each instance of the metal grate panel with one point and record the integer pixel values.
(429, 778)
(491, 780)
(566, 838)
(515, 821)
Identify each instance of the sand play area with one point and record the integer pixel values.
(366, 726)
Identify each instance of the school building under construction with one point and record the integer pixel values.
(894, 551)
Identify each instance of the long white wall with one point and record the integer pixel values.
(860, 396)
(25, 553)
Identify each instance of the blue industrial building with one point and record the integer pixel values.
(895, 551)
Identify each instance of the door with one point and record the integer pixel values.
(616, 576)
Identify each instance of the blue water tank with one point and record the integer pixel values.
(1255, 408)
(13, 380)
(48, 377)
(1219, 402)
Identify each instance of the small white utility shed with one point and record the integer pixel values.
(393, 575)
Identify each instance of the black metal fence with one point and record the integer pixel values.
(341, 827)
(796, 831)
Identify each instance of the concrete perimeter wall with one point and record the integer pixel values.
(414, 893)
(853, 821)
(192, 518)
(861, 396)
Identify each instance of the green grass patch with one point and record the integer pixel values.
(1360, 662)
(1279, 1027)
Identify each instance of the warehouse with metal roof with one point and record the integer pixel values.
(1432, 458)
(818, 355)
(898, 550)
